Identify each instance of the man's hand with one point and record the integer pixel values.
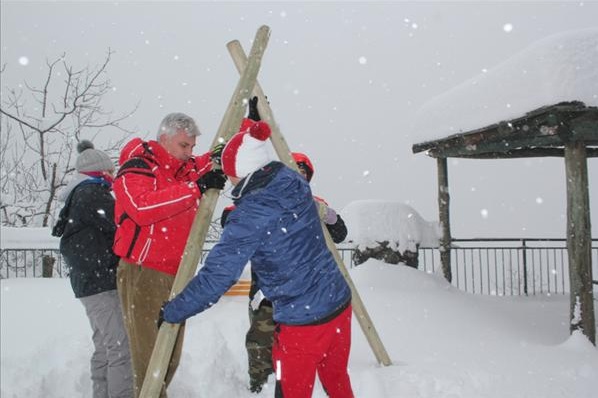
(161, 314)
(216, 154)
(212, 179)
(326, 214)
(253, 113)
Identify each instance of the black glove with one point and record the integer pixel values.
(212, 179)
(216, 154)
(253, 113)
(224, 216)
(161, 314)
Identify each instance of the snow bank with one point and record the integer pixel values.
(28, 238)
(561, 67)
(443, 343)
(373, 221)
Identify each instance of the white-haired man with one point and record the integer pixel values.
(157, 189)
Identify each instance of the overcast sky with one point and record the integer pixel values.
(344, 81)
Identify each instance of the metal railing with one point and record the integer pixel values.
(29, 263)
(501, 267)
(509, 266)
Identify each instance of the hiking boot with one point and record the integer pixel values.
(256, 385)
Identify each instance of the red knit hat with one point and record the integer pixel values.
(246, 151)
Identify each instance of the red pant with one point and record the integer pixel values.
(299, 351)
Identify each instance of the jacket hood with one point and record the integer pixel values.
(132, 149)
(150, 150)
(256, 180)
(71, 185)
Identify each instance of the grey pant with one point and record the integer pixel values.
(111, 371)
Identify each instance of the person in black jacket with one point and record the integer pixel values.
(86, 226)
(260, 336)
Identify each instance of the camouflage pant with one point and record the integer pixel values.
(258, 342)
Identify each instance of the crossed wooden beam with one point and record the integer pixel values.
(247, 87)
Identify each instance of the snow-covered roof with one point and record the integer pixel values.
(372, 221)
(558, 68)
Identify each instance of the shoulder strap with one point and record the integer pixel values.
(136, 165)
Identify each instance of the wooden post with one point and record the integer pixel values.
(444, 213)
(284, 153)
(579, 241)
(48, 265)
(162, 352)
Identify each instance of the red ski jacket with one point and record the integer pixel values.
(156, 201)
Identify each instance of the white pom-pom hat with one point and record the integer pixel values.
(246, 152)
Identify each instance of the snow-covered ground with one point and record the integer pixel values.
(443, 343)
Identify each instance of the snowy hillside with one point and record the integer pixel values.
(443, 343)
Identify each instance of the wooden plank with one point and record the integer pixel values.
(156, 371)
(284, 153)
(579, 242)
(444, 217)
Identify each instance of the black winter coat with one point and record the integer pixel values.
(86, 244)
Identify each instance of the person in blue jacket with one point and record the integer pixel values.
(276, 226)
(260, 336)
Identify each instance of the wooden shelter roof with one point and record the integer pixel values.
(542, 132)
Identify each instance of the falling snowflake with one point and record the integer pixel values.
(363, 60)
(24, 61)
(507, 27)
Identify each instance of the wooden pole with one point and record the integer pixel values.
(444, 201)
(284, 153)
(156, 370)
(579, 241)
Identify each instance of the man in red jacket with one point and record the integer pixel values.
(157, 189)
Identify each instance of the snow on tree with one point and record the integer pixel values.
(41, 126)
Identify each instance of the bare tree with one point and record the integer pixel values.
(40, 127)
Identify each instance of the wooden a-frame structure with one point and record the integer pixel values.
(248, 67)
(567, 129)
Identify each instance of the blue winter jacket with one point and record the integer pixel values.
(276, 226)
